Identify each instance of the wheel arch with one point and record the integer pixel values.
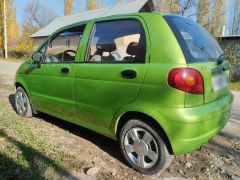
(18, 84)
(22, 85)
(146, 119)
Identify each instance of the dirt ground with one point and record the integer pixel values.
(44, 147)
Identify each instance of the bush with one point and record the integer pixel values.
(235, 73)
(22, 50)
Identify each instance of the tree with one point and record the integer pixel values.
(235, 27)
(92, 5)
(68, 7)
(103, 3)
(188, 8)
(38, 15)
(13, 29)
(211, 15)
(81, 6)
(12, 25)
(166, 5)
(219, 17)
(203, 13)
(1, 27)
(174, 6)
(25, 45)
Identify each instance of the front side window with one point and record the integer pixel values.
(120, 41)
(197, 44)
(63, 47)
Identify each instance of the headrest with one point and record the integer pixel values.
(107, 47)
(132, 48)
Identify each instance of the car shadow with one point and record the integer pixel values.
(13, 169)
(108, 145)
(11, 100)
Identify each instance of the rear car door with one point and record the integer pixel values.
(113, 70)
(51, 82)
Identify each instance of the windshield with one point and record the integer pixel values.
(197, 44)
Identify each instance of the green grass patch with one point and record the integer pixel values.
(235, 86)
(25, 152)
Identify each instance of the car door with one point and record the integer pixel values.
(51, 82)
(113, 70)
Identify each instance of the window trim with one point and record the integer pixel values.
(86, 56)
(50, 44)
(87, 52)
(179, 38)
(49, 40)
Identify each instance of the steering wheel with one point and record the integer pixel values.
(69, 50)
(66, 54)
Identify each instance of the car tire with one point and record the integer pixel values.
(22, 104)
(143, 147)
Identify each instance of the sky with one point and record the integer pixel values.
(57, 7)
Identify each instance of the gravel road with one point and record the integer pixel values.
(8, 68)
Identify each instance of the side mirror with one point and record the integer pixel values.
(37, 57)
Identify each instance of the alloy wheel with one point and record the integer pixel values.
(141, 147)
(21, 102)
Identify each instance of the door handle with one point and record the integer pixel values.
(65, 70)
(129, 74)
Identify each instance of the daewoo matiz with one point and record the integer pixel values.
(156, 83)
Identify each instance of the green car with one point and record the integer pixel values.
(157, 83)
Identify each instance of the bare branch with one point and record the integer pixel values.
(38, 15)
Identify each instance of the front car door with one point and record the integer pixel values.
(113, 71)
(51, 83)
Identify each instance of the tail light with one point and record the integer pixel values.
(186, 79)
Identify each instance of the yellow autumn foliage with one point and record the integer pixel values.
(23, 49)
(92, 5)
(68, 7)
(12, 26)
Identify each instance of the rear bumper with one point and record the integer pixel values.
(189, 128)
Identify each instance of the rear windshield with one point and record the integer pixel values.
(197, 44)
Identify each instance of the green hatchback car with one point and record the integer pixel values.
(157, 83)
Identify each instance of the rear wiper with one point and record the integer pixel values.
(221, 59)
(221, 66)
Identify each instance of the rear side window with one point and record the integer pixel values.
(197, 44)
(120, 41)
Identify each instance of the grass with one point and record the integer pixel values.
(235, 86)
(24, 151)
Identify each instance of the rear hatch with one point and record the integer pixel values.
(215, 79)
(203, 54)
